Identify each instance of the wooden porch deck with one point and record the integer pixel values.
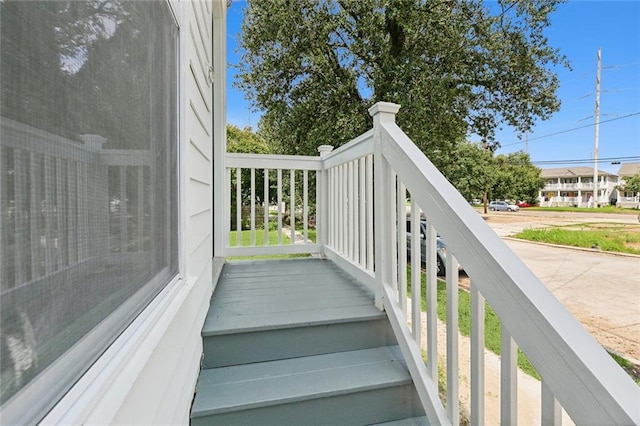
(269, 294)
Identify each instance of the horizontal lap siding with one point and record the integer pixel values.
(197, 35)
(198, 137)
(196, 226)
(199, 165)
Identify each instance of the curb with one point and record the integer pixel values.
(588, 250)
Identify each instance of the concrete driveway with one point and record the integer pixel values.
(601, 290)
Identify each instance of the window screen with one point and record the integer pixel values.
(88, 189)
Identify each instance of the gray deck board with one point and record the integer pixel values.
(297, 379)
(268, 294)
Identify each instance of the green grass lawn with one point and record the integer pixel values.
(311, 234)
(606, 209)
(245, 240)
(615, 237)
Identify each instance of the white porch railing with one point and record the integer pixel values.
(275, 185)
(361, 203)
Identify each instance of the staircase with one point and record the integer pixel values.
(296, 341)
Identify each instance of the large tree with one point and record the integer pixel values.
(516, 178)
(473, 171)
(457, 67)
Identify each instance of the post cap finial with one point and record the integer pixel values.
(325, 149)
(384, 108)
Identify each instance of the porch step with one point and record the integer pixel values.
(414, 421)
(283, 309)
(354, 387)
(298, 342)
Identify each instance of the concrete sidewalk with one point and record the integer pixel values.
(529, 388)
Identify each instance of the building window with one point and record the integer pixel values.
(88, 192)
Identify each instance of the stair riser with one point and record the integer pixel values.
(373, 406)
(269, 345)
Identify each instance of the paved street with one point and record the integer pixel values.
(602, 290)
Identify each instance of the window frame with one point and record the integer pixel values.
(114, 370)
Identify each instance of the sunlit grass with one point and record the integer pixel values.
(610, 237)
(631, 369)
(245, 238)
(605, 209)
(272, 238)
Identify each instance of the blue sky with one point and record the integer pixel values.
(578, 29)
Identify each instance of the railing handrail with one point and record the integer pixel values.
(356, 148)
(273, 161)
(578, 371)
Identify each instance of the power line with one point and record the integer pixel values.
(590, 160)
(573, 129)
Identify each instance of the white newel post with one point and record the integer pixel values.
(382, 113)
(322, 200)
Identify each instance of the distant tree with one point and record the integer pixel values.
(471, 170)
(516, 178)
(631, 184)
(245, 141)
(456, 67)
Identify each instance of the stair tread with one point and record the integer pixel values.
(219, 323)
(284, 294)
(413, 421)
(267, 383)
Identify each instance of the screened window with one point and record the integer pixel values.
(88, 186)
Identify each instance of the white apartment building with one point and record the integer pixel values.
(574, 186)
(627, 198)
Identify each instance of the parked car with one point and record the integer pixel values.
(523, 204)
(441, 248)
(503, 206)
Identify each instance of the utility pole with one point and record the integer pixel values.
(597, 129)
